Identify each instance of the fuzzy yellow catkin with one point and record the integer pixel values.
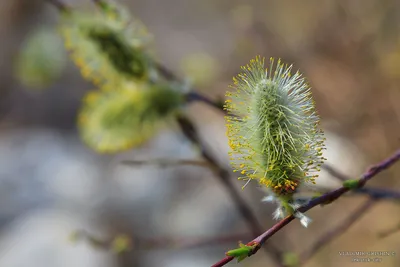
(106, 50)
(273, 130)
(116, 120)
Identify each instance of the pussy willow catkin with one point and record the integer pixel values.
(116, 120)
(273, 129)
(105, 50)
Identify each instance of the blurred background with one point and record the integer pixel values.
(52, 185)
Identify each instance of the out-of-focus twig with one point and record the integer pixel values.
(144, 243)
(326, 198)
(95, 242)
(390, 231)
(335, 232)
(335, 173)
(118, 244)
(167, 163)
(191, 96)
(187, 242)
(379, 193)
(223, 176)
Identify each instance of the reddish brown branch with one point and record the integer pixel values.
(326, 198)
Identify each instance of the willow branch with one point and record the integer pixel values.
(163, 163)
(193, 95)
(326, 198)
(223, 176)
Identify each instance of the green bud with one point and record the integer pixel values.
(242, 252)
(351, 184)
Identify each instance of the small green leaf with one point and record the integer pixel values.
(242, 252)
(351, 184)
(238, 252)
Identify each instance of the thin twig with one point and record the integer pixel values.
(335, 173)
(144, 243)
(191, 96)
(187, 242)
(379, 193)
(389, 232)
(326, 198)
(224, 177)
(96, 242)
(167, 163)
(335, 232)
